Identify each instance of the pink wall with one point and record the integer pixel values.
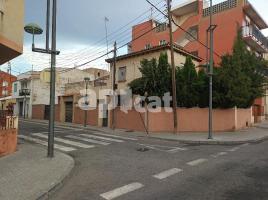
(92, 116)
(189, 120)
(130, 121)
(244, 118)
(8, 141)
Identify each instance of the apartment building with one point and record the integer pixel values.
(193, 16)
(11, 29)
(6, 80)
(32, 91)
(229, 16)
(69, 107)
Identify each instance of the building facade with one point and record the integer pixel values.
(11, 29)
(32, 91)
(230, 17)
(193, 16)
(6, 80)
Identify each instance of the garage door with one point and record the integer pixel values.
(69, 112)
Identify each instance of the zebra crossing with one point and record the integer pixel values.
(71, 142)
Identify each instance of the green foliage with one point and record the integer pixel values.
(238, 82)
(187, 85)
(156, 77)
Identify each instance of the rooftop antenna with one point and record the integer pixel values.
(152, 10)
(106, 20)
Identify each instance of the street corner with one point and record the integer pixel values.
(33, 174)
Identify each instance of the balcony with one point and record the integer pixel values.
(255, 39)
(24, 92)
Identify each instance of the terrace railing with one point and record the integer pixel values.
(256, 34)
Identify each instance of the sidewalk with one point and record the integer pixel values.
(28, 174)
(257, 133)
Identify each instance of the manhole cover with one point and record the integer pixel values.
(142, 149)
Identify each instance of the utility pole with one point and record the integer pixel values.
(51, 134)
(211, 30)
(87, 79)
(34, 29)
(174, 92)
(114, 86)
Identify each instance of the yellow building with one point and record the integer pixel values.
(11, 29)
(127, 66)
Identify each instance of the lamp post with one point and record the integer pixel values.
(211, 29)
(87, 80)
(34, 29)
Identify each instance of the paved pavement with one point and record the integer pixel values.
(28, 174)
(148, 168)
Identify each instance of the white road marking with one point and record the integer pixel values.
(219, 154)
(56, 126)
(77, 144)
(158, 147)
(44, 143)
(115, 136)
(46, 132)
(87, 140)
(234, 149)
(167, 173)
(197, 162)
(244, 145)
(121, 191)
(102, 138)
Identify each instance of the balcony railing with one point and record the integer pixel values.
(255, 34)
(24, 92)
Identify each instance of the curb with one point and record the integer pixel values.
(191, 142)
(57, 185)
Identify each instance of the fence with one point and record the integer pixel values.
(7, 121)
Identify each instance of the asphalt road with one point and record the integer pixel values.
(140, 168)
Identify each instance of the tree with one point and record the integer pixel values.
(239, 81)
(203, 89)
(187, 84)
(156, 77)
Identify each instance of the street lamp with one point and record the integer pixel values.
(87, 80)
(34, 29)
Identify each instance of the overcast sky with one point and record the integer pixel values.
(81, 28)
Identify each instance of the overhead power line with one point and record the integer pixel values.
(187, 32)
(145, 33)
(76, 59)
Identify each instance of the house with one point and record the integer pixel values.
(32, 90)
(11, 29)
(127, 66)
(69, 108)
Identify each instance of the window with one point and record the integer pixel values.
(148, 46)
(122, 72)
(194, 32)
(4, 92)
(195, 53)
(2, 6)
(5, 84)
(15, 87)
(160, 27)
(162, 42)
